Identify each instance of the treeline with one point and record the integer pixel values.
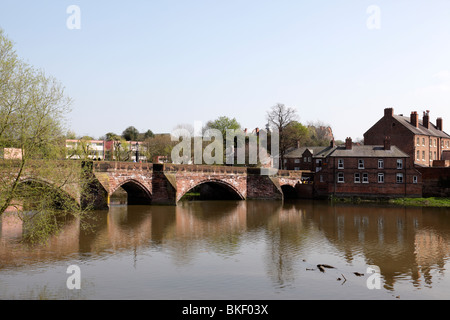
(285, 120)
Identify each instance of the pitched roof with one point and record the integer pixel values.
(431, 131)
(298, 152)
(368, 151)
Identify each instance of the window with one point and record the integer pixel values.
(399, 164)
(340, 177)
(357, 178)
(321, 178)
(423, 141)
(418, 155)
(418, 141)
(309, 159)
(365, 178)
(399, 177)
(297, 161)
(360, 164)
(435, 156)
(341, 164)
(423, 155)
(304, 159)
(380, 164)
(414, 179)
(434, 142)
(296, 168)
(381, 178)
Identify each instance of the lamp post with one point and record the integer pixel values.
(137, 151)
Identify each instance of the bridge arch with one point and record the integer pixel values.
(213, 189)
(137, 192)
(60, 194)
(289, 192)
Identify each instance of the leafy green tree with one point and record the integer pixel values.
(33, 108)
(130, 134)
(295, 134)
(223, 124)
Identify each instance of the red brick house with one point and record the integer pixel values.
(422, 140)
(302, 158)
(367, 171)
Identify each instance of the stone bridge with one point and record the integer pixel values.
(147, 183)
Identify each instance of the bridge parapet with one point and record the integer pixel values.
(204, 169)
(105, 166)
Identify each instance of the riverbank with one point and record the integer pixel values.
(416, 202)
(422, 202)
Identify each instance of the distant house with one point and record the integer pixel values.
(422, 140)
(125, 151)
(367, 171)
(12, 153)
(85, 149)
(307, 158)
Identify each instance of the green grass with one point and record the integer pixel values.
(422, 202)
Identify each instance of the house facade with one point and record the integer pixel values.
(301, 158)
(367, 171)
(85, 149)
(422, 140)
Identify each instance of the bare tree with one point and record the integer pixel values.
(279, 117)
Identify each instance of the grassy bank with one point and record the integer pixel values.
(417, 202)
(422, 202)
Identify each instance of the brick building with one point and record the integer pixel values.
(422, 140)
(301, 158)
(367, 171)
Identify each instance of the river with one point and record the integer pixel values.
(236, 250)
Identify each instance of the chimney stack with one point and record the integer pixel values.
(332, 143)
(388, 112)
(387, 143)
(439, 123)
(348, 143)
(414, 119)
(426, 119)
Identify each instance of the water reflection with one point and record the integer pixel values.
(409, 244)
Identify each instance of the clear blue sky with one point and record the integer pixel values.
(156, 64)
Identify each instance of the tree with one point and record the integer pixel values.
(148, 134)
(320, 134)
(110, 136)
(222, 124)
(130, 134)
(295, 134)
(279, 117)
(159, 145)
(33, 107)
